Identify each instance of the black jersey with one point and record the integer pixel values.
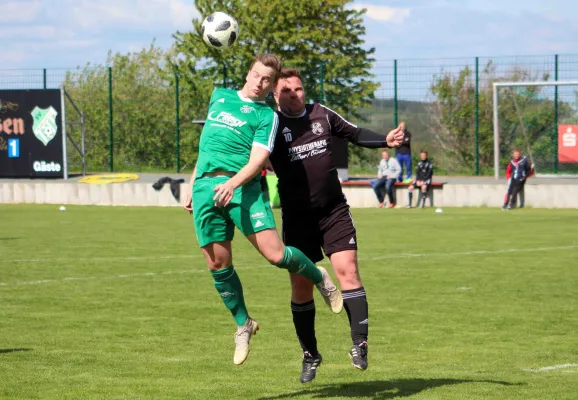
(302, 157)
(424, 171)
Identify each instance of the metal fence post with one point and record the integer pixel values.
(477, 116)
(321, 82)
(555, 136)
(225, 76)
(44, 77)
(110, 126)
(177, 118)
(395, 115)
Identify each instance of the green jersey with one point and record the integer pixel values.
(233, 126)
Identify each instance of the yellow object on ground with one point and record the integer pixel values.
(109, 178)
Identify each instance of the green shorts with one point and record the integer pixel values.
(249, 211)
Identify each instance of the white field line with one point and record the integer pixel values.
(132, 258)
(102, 277)
(389, 256)
(470, 253)
(392, 256)
(552, 368)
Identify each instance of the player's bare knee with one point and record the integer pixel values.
(215, 265)
(301, 289)
(274, 256)
(348, 275)
(410, 188)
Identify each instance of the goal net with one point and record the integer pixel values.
(540, 119)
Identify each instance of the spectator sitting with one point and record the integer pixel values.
(423, 176)
(387, 174)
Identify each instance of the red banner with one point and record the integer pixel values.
(568, 144)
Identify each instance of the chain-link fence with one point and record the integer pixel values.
(142, 119)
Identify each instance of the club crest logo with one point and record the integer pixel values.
(44, 126)
(316, 128)
(246, 109)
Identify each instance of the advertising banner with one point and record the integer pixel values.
(32, 139)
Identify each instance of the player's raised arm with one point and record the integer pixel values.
(361, 136)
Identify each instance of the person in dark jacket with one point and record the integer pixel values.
(517, 171)
(423, 179)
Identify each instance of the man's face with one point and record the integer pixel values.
(385, 155)
(423, 156)
(290, 95)
(260, 81)
(517, 155)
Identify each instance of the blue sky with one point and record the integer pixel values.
(68, 33)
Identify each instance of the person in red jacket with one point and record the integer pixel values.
(518, 170)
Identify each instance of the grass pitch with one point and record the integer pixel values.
(116, 303)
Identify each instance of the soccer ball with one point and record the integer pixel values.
(220, 30)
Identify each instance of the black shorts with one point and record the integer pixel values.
(331, 228)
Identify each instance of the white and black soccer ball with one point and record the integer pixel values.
(220, 30)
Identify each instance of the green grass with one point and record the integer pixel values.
(116, 303)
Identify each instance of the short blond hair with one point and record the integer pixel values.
(269, 60)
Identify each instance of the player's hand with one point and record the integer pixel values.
(269, 166)
(394, 137)
(223, 194)
(188, 202)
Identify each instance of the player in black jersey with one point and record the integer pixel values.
(423, 179)
(315, 213)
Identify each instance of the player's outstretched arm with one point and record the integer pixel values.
(224, 191)
(373, 140)
(361, 136)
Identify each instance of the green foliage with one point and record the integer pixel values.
(320, 37)
(143, 103)
(452, 115)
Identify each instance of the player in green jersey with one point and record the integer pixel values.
(236, 141)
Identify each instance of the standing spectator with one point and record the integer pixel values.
(517, 172)
(387, 173)
(423, 176)
(403, 154)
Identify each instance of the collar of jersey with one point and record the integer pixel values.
(248, 100)
(295, 116)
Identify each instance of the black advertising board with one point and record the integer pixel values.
(31, 133)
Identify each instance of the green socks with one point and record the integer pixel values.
(230, 289)
(296, 262)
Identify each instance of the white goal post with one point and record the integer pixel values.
(496, 87)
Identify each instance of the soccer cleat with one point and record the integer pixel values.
(390, 205)
(408, 206)
(380, 205)
(330, 293)
(242, 337)
(309, 367)
(358, 355)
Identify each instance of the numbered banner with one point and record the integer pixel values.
(567, 144)
(31, 133)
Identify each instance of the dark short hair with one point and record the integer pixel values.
(269, 60)
(290, 73)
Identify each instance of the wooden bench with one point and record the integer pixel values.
(398, 185)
